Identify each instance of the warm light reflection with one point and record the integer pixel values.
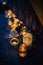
(14, 41)
(22, 48)
(27, 39)
(22, 54)
(15, 24)
(10, 14)
(13, 15)
(23, 32)
(10, 23)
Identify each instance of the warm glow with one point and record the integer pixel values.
(15, 24)
(16, 20)
(21, 22)
(22, 48)
(9, 12)
(13, 15)
(27, 39)
(14, 41)
(10, 16)
(10, 23)
(22, 54)
(24, 28)
(4, 3)
(23, 32)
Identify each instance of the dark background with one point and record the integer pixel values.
(8, 56)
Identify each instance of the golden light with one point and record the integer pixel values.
(21, 22)
(22, 48)
(9, 12)
(16, 20)
(13, 15)
(9, 16)
(15, 24)
(23, 32)
(4, 3)
(14, 41)
(22, 54)
(27, 39)
(24, 28)
(10, 23)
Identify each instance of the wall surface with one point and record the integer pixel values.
(38, 7)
